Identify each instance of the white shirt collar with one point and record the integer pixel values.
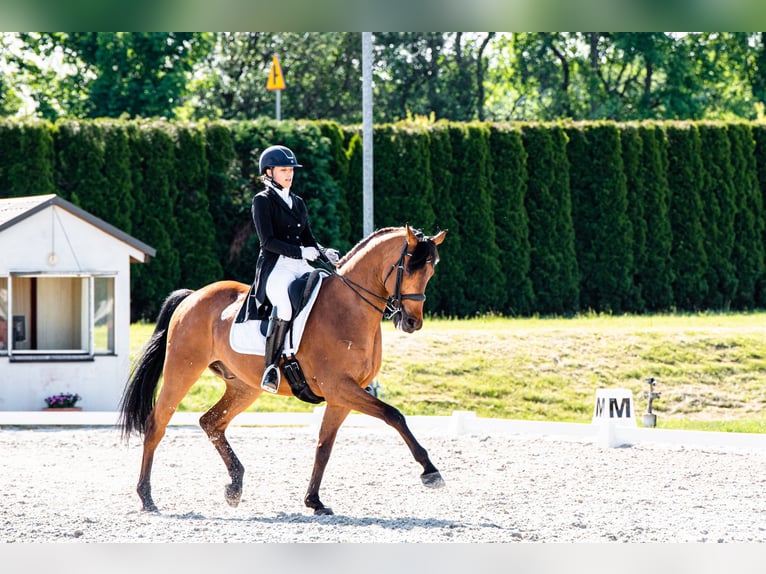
(283, 193)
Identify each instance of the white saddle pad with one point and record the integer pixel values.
(246, 337)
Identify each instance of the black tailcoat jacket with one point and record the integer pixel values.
(281, 231)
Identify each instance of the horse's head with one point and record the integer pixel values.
(407, 280)
(398, 261)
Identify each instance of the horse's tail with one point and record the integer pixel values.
(138, 399)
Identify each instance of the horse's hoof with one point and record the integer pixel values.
(232, 495)
(433, 480)
(324, 511)
(151, 507)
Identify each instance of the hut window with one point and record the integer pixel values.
(4, 326)
(60, 316)
(103, 314)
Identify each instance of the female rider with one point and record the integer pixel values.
(287, 245)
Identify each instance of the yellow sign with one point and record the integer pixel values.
(276, 79)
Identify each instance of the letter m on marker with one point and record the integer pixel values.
(600, 406)
(623, 408)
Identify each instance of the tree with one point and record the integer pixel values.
(748, 250)
(113, 74)
(118, 176)
(355, 191)
(26, 161)
(196, 237)
(322, 75)
(228, 201)
(404, 192)
(719, 210)
(648, 197)
(10, 143)
(757, 74)
(80, 164)
(632, 148)
(759, 134)
(471, 190)
(339, 172)
(553, 262)
(542, 70)
(152, 162)
(458, 76)
(10, 102)
(420, 73)
(626, 76)
(509, 184)
(603, 234)
(445, 290)
(690, 288)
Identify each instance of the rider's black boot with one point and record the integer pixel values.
(274, 341)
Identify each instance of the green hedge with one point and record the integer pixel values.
(759, 134)
(480, 281)
(718, 211)
(542, 218)
(689, 260)
(645, 165)
(603, 231)
(553, 263)
(748, 251)
(445, 290)
(508, 163)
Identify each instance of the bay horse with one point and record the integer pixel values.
(385, 274)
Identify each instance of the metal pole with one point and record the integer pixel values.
(279, 111)
(367, 192)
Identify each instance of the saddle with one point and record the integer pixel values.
(300, 292)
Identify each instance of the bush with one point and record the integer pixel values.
(542, 218)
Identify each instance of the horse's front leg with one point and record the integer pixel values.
(333, 417)
(431, 477)
(363, 402)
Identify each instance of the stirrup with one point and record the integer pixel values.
(268, 383)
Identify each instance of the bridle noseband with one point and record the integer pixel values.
(393, 304)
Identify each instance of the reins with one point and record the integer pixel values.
(393, 304)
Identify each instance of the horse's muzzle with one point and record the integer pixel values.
(406, 322)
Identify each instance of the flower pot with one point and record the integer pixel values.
(62, 409)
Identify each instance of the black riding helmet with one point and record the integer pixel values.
(277, 156)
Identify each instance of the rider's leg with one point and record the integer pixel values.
(284, 272)
(275, 339)
(276, 291)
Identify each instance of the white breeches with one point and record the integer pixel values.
(285, 272)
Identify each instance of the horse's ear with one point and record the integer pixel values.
(439, 237)
(412, 238)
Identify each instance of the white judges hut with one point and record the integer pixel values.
(64, 304)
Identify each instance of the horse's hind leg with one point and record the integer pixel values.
(333, 417)
(237, 397)
(176, 384)
(152, 439)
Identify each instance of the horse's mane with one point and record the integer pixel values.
(424, 251)
(364, 242)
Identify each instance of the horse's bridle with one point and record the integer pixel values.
(393, 304)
